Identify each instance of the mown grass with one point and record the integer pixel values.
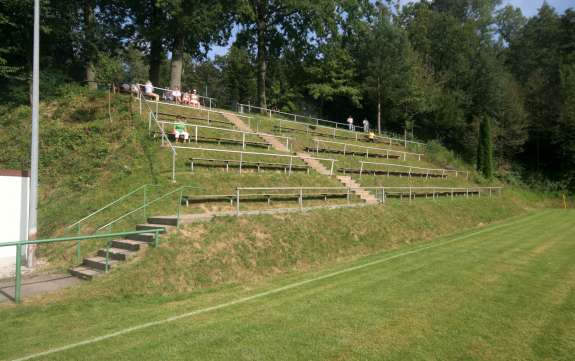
(487, 294)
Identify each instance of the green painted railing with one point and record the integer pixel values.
(77, 226)
(109, 236)
(179, 190)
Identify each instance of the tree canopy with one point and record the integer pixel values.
(473, 74)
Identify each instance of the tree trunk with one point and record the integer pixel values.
(261, 14)
(155, 60)
(89, 22)
(177, 61)
(155, 57)
(378, 107)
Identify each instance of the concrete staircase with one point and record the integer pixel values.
(121, 250)
(314, 164)
(358, 190)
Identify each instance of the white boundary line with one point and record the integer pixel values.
(270, 292)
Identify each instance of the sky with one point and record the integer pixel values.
(529, 8)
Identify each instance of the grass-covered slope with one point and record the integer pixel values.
(495, 293)
(88, 160)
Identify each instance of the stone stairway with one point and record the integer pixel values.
(358, 190)
(314, 164)
(121, 250)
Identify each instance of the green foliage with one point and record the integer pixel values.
(485, 148)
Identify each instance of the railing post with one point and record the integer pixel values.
(243, 140)
(238, 201)
(409, 195)
(348, 194)
(179, 208)
(290, 164)
(383, 195)
(107, 267)
(18, 285)
(173, 167)
(361, 169)
(451, 193)
(156, 239)
(489, 192)
(145, 201)
(332, 164)
(301, 198)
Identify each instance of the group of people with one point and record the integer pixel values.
(189, 98)
(366, 128)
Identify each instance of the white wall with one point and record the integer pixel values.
(13, 217)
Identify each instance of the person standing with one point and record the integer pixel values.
(350, 122)
(366, 125)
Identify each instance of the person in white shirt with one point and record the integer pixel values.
(149, 91)
(366, 125)
(195, 100)
(177, 94)
(350, 122)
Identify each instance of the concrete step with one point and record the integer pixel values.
(85, 273)
(166, 221)
(146, 226)
(99, 263)
(129, 244)
(144, 237)
(118, 254)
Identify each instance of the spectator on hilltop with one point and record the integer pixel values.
(177, 94)
(186, 98)
(195, 99)
(180, 132)
(366, 125)
(149, 91)
(350, 122)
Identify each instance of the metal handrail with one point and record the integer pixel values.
(261, 154)
(180, 189)
(110, 205)
(443, 171)
(229, 131)
(299, 191)
(317, 120)
(317, 141)
(19, 244)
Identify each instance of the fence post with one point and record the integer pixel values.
(301, 198)
(361, 169)
(156, 239)
(18, 286)
(332, 164)
(179, 207)
(107, 266)
(145, 202)
(243, 140)
(348, 194)
(238, 201)
(290, 164)
(489, 192)
(173, 167)
(451, 193)
(409, 195)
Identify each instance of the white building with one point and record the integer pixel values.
(14, 200)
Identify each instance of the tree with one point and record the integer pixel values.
(192, 28)
(485, 149)
(276, 24)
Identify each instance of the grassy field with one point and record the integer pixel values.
(500, 292)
